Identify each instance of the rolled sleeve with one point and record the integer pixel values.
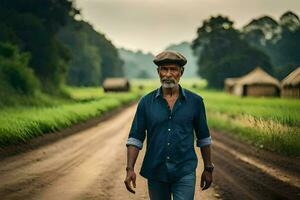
(204, 142)
(137, 132)
(135, 142)
(201, 127)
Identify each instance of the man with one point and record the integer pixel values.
(169, 117)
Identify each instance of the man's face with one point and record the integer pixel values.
(169, 75)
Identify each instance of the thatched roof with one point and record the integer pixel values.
(292, 79)
(258, 76)
(115, 82)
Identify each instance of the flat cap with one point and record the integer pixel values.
(168, 57)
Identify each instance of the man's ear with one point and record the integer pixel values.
(182, 70)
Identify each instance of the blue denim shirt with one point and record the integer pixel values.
(170, 152)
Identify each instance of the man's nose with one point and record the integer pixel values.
(169, 72)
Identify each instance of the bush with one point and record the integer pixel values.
(14, 72)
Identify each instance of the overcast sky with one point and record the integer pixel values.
(152, 25)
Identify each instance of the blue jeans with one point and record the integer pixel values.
(183, 189)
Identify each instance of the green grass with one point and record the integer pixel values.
(270, 123)
(21, 123)
(39, 99)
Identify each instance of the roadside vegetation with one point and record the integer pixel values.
(21, 123)
(269, 123)
(43, 51)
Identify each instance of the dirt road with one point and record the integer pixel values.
(245, 172)
(91, 165)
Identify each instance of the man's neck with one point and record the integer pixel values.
(171, 92)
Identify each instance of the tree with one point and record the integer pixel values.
(287, 48)
(15, 75)
(224, 53)
(290, 21)
(93, 57)
(262, 31)
(32, 26)
(279, 40)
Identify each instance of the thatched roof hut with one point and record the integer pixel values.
(290, 85)
(255, 83)
(116, 85)
(230, 83)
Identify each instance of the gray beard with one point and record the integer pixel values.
(168, 85)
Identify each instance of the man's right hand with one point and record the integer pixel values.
(130, 177)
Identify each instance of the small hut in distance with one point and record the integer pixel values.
(116, 85)
(229, 84)
(290, 85)
(255, 83)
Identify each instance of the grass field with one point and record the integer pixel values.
(270, 123)
(20, 123)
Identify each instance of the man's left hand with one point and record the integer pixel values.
(206, 179)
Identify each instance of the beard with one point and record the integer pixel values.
(168, 83)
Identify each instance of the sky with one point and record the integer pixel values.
(152, 25)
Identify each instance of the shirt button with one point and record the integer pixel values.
(168, 143)
(168, 158)
(169, 129)
(170, 117)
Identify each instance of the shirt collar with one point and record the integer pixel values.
(181, 92)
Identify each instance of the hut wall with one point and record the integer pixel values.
(238, 90)
(261, 90)
(229, 88)
(111, 85)
(290, 92)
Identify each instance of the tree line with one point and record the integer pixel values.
(43, 46)
(93, 56)
(224, 51)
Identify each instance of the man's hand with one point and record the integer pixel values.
(206, 179)
(130, 177)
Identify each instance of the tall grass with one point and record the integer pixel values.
(270, 123)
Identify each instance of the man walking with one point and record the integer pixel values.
(169, 117)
